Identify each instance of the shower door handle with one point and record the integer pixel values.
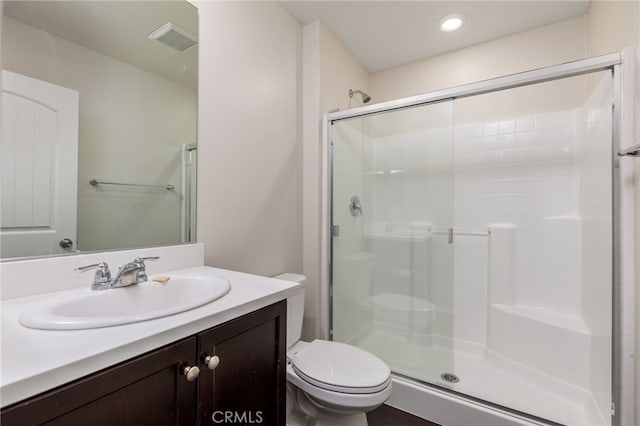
(632, 151)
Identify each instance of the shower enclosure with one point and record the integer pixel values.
(473, 239)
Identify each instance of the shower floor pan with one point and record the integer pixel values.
(481, 374)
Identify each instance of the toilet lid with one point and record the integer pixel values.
(341, 367)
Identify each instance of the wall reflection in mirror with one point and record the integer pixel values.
(101, 92)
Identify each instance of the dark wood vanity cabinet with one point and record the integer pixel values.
(144, 390)
(247, 387)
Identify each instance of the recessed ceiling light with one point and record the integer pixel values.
(452, 22)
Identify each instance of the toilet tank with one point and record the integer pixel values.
(295, 308)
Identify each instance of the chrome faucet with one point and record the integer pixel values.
(132, 273)
(129, 274)
(102, 278)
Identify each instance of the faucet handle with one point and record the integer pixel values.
(102, 276)
(142, 259)
(141, 276)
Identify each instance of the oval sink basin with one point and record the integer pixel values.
(85, 308)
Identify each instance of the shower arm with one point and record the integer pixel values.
(365, 97)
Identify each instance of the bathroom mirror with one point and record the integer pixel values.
(98, 125)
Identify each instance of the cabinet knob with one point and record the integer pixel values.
(212, 361)
(192, 373)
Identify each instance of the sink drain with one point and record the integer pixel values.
(450, 377)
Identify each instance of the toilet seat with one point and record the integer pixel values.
(342, 368)
(345, 402)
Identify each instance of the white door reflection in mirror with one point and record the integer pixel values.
(39, 166)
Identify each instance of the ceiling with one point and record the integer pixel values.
(118, 29)
(380, 34)
(385, 34)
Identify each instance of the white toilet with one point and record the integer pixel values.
(329, 383)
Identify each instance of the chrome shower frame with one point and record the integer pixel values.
(187, 228)
(622, 66)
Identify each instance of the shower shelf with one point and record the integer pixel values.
(547, 316)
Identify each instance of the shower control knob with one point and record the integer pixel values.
(191, 373)
(354, 206)
(212, 361)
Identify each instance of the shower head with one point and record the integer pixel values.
(365, 98)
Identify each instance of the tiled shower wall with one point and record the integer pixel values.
(522, 172)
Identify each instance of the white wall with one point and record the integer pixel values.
(329, 71)
(548, 45)
(249, 154)
(131, 126)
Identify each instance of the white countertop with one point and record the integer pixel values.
(33, 361)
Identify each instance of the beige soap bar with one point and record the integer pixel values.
(161, 279)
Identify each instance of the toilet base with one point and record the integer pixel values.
(302, 420)
(295, 418)
(352, 420)
(303, 411)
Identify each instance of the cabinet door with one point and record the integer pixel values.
(249, 384)
(148, 390)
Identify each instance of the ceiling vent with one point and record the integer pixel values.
(173, 36)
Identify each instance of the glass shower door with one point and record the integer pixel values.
(392, 256)
(473, 241)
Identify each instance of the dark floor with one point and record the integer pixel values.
(389, 416)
